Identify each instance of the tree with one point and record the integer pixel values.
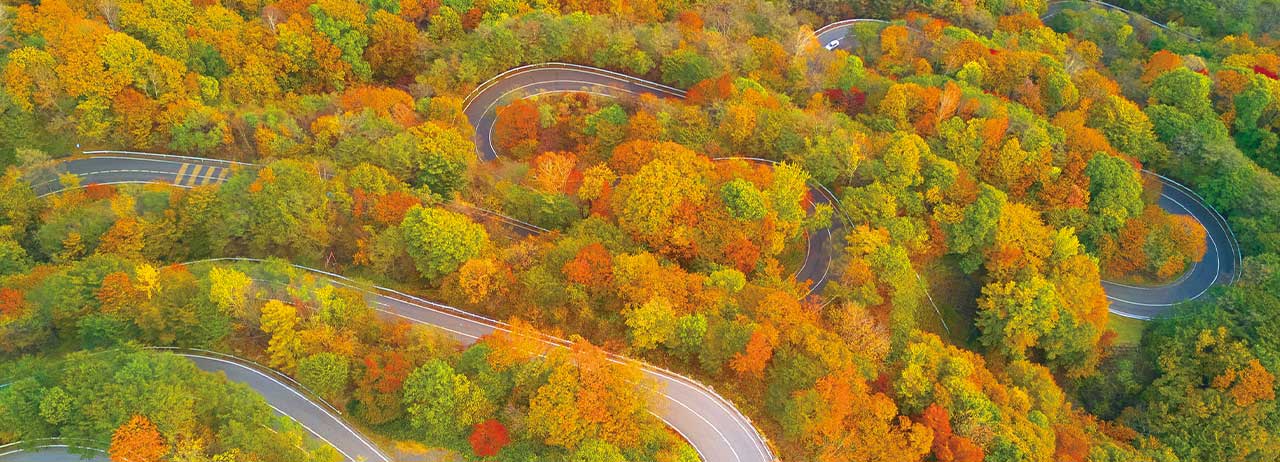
(1128, 129)
(443, 158)
(972, 231)
(516, 130)
(685, 67)
(651, 323)
(553, 409)
(278, 322)
(594, 450)
(229, 290)
(283, 211)
(443, 404)
(844, 421)
(394, 43)
(1115, 192)
(745, 202)
(947, 446)
(592, 266)
(647, 202)
(488, 438)
(348, 34)
(138, 441)
(56, 406)
(124, 238)
(324, 373)
(552, 171)
(482, 278)
(13, 258)
(1014, 315)
(753, 360)
(440, 241)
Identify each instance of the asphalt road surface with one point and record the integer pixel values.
(523, 82)
(710, 423)
(100, 167)
(1220, 264)
(48, 453)
(281, 394)
(276, 389)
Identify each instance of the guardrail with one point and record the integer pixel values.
(553, 65)
(507, 328)
(54, 442)
(1233, 243)
(167, 156)
(1105, 5)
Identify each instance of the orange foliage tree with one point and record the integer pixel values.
(138, 441)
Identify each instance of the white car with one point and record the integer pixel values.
(832, 45)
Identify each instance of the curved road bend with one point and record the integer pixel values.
(1220, 264)
(48, 453)
(1222, 258)
(711, 424)
(117, 167)
(1058, 6)
(481, 106)
(315, 418)
(717, 430)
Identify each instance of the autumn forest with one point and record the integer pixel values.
(640, 230)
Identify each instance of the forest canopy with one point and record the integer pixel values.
(897, 245)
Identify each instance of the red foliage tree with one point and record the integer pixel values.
(517, 125)
(12, 302)
(851, 101)
(385, 371)
(947, 446)
(592, 267)
(1267, 72)
(390, 209)
(488, 438)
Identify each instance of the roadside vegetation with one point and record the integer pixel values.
(979, 156)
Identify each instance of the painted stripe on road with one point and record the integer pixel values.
(194, 176)
(182, 171)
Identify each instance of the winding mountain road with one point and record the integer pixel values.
(282, 393)
(50, 450)
(711, 424)
(481, 105)
(717, 430)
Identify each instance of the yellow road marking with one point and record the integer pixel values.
(210, 176)
(223, 176)
(194, 176)
(181, 171)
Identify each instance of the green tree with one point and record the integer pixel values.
(440, 241)
(325, 373)
(745, 202)
(594, 450)
(442, 404)
(685, 67)
(1128, 129)
(443, 159)
(348, 37)
(1012, 316)
(56, 406)
(1115, 192)
(976, 229)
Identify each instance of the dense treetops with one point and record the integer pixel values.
(149, 406)
(966, 138)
